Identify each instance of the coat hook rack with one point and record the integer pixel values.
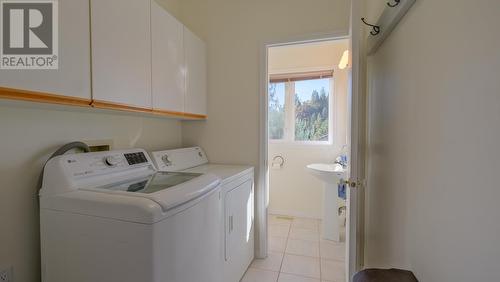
(393, 12)
(397, 2)
(375, 28)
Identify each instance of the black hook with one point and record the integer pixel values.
(395, 4)
(375, 28)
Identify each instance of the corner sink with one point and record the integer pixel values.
(330, 174)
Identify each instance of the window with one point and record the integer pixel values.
(276, 111)
(312, 108)
(300, 109)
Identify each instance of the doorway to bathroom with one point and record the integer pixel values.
(307, 123)
(355, 139)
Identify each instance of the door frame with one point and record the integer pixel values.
(262, 191)
(357, 140)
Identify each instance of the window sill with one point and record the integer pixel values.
(302, 143)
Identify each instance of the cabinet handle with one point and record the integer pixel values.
(230, 224)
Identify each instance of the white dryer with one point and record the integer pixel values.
(111, 217)
(237, 182)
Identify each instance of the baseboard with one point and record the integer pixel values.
(294, 214)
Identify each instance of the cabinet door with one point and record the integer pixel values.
(168, 60)
(121, 52)
(239, 246)
(196, 74)
(73, 76)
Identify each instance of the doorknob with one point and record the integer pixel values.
(351, 183)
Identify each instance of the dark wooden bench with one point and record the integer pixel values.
(385, 275)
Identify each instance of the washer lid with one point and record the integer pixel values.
(226, 173)
(151, 183)
(169, 190)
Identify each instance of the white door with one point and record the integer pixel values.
(121, 52)
(239, 246)
(356, 138)
(196, 74)
(168, 78)
(72, 79)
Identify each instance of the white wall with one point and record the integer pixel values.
(29, 134)
(432, 198)
(235, 32)
(292, 189)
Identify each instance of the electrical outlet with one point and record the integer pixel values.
(6, 275)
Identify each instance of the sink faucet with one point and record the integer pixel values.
(342, 158)
(341, 162)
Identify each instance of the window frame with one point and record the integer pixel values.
(285, 125)
(290, 118)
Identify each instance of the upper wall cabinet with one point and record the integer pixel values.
(127, 55)
(196, 74)
(72, 79)
(121, 52)
(168, 81)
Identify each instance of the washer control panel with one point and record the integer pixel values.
(179, 159)
(136, 158)
(112, 161)
(91, 164)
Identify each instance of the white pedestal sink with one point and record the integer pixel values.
(330, 174)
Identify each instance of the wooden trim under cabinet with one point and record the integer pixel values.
(119, 107)
(34, 96)
(157, 112)
(164, 113)
(194, 116)
(167, 113)
(178, 114)
(41, 97)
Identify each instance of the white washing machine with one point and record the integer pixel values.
(111, 217)
(237, 185)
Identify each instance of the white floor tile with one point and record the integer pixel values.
(300, 265)
(302, 247)
(332, 250)
(284, 277)
(304, 234)
(306, 223)
(332, 270)
(279, 230)
(260, 275)
(272, 262)
(277, 244)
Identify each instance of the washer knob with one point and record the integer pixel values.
(166, 160)
(111, 161)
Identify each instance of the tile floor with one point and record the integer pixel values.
(298, 254)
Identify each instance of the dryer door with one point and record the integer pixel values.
(238, 230)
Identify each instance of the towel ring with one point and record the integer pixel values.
(281, 160)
